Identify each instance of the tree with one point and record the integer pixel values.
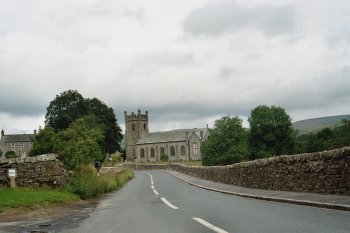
(271, 132)
(226, 144)
(71, 105)
(105, 115)
(44, 142)
(64, 109)
(10, 154)
(342, 134)
(79, 145)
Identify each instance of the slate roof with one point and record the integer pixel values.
(19, 138)
(170, 136)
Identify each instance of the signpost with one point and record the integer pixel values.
(12, 174)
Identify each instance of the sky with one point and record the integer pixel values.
(187, 62)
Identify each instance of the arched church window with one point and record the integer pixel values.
(195, 148)
(133, 127)
(142, 153)
(152, 152)
(144, 126)
(172, 151)
(162, 151)
(182, 150)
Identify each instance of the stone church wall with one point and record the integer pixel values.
(322, 172)
(42, 170)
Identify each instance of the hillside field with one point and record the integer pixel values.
(316, 124)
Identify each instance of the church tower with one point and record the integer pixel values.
(136, 126)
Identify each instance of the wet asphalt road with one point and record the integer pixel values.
(179, 207)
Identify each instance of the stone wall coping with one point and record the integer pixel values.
(43, 157)
(305, 157)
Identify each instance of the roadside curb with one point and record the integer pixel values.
(267, 198)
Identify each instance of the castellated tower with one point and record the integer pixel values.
(136, 126)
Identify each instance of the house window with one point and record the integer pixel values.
(162, 152)
(142, 153)
(13, 144)
(133, 127)
(152, 152)
(182, 150)
(23, 154)
(195, 148)
(22, 144)
(172, 151)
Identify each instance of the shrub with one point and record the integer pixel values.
(10, 154)
(87, 184)
(164, 157)
(124, 176)
(84, 183)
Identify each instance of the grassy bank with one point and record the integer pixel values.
(83, 185)
(87, 184)
(28, 197)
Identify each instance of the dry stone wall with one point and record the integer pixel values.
(42, 170)
(322, 172)
(146, 166)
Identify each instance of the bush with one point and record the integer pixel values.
(87, 184)
(10, 154)
(124, 176)
(84, 183)
(164, 157)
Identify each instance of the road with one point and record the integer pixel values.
(155, 201)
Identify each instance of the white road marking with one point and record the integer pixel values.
(168, 203)
(155, 192)
(151, 182)
(208, 225)
(152, 187)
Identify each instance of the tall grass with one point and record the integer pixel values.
(84, 184)
(87, 184)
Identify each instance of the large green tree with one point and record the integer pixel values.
(271, 132)
(71, 105)
(44, 142)
(64, 109)
(106, 117)
(226, 144)
(79, 144)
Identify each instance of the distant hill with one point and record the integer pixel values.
(316, 124)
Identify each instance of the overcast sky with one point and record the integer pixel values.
(187, 62)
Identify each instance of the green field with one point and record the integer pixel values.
(28, 197)
(316, 124)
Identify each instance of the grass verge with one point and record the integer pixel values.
(29, 197)
(87, 184)
(83, 185)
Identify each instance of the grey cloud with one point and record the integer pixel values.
(224, 16)
(18, 101)
(226, 72)
(101, 10)
(168, 58)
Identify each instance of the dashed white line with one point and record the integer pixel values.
(210, 226)
(155, 192)
(152, 187)
(168, 203)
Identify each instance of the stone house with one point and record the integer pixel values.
(141, 145)
(19, 143)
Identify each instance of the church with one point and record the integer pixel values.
(144, 146)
